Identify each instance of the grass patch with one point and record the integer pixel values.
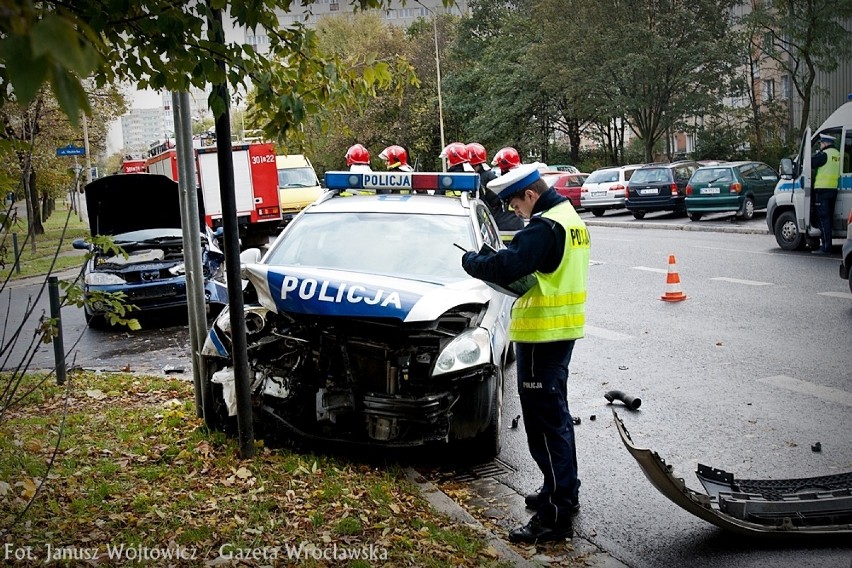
(136, 468)
(39, 262)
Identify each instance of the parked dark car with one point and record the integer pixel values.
(140, 212)
(738, 187)
(659, 187)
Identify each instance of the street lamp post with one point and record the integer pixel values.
(438, 73)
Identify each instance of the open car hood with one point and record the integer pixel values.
(777, 507)
(318, 291)
(129, 202)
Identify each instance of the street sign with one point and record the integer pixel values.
(70, 150)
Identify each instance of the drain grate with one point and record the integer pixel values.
(480, 471)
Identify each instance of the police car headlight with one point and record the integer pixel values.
(471, 348)
(102, 279)
(178, 270)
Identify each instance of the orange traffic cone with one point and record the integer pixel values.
(673, 291)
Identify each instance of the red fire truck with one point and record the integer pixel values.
(134, 166)
(255, 186)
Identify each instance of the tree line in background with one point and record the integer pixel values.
(539, 75)
(542, 75)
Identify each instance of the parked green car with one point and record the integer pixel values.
(739, 187)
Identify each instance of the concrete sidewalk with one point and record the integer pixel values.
(505, 509)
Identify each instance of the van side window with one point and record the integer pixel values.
(847, 152)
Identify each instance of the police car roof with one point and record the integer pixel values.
(392, 203)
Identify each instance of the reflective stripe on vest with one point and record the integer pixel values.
(828, 174)
(554, 309)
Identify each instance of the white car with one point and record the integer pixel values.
(605, 189)
(363, 328)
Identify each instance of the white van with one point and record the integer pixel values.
(298, 185)
(789, 214)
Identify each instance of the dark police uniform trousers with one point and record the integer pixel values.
(543, 389)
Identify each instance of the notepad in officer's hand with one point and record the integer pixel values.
(517, 288)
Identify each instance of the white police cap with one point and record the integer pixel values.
(826, 138)
(515, 180)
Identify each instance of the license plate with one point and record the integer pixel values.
(649, 191)
(709, 190)
(598, 193)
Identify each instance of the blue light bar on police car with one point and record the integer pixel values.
(462, 181)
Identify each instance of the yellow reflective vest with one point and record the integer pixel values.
(554, 309)
(828, 174)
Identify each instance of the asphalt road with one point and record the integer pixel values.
(745, 375)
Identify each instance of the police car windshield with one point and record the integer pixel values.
(393, 244)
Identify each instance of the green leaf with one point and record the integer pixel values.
(25, 72)
(69, 93)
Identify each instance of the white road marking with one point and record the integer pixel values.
(606, 334)
(836, 295)
(770, 253)
(738, 281)
(827, 394)
(647, 269)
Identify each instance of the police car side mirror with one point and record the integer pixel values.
(786, 168)
(250, 256)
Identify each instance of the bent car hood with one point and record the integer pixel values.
(129, 202)
(317, 291)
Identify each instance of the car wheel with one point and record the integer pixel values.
(597, 212)
(747, 212)
(638, 214)
(787, 233)
(96, 321)
(487, 445)
(695, 216)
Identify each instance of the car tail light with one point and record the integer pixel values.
(736, 187)
(584, 190)
(617, 187)
(850, 217)
(689, 190)
(674, 190)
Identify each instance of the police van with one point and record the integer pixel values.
(790, 215)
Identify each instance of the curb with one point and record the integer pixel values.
(507, 507)
(679, 227)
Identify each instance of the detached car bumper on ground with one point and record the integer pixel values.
(362, 327)
(770, 507)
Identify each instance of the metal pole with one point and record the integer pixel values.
(440, 105)
(194, 274)
(239, 345)
(58, 344)
(86, 147)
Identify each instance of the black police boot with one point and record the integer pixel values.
(535, 500)
(535, 531)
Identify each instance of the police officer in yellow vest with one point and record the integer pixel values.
(546, 321)
(826, 164)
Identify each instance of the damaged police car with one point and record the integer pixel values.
(140, 212)
(363, 328)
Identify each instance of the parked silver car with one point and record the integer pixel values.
(605, 189)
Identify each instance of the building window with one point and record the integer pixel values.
(768, 89)
(785, 87)
(333, 7)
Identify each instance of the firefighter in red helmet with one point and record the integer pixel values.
(506, 159)
(477, 158)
